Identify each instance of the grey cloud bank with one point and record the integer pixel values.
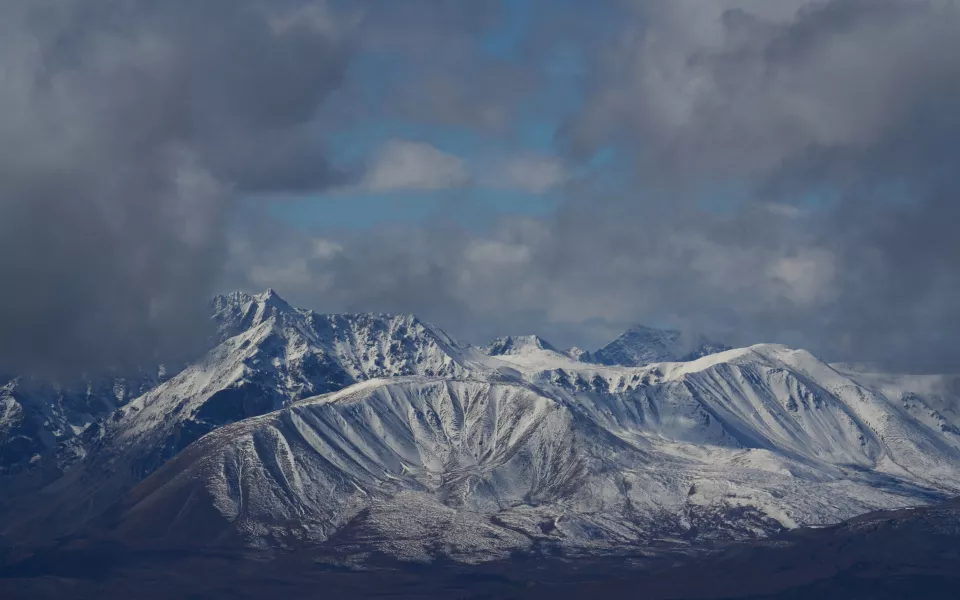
(786, 171)
(832, 122)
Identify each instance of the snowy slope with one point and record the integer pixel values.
(40, 420)
(271, 355)
(580, 457)
(268, 348)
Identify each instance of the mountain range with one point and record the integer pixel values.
(380, 435)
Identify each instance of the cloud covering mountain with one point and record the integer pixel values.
(130, 127)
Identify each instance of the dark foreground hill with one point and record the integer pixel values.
(886, 555)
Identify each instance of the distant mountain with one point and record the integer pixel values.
(516, 345)
(531, 346)
(579, 354)
(42, 420)
(637, 346)
(361, 433)
(641, 345)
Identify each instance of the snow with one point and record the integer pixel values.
(523, 344)
(736, 444)
(641, 345)
(299, 426)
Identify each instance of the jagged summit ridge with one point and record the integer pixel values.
(240, 311)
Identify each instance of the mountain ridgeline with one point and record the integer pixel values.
(381, 433)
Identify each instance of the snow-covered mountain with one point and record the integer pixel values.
(641, 345)
(735, 444)
(40, 419)
(380, 432)
(637, 346)
(271, 355)
(517, 345)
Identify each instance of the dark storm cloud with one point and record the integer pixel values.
(795, 180)
(785, 170)
(423, 61)
(127, 127)
(835, 119)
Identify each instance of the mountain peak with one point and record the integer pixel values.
(640, 328)
(271, 298)
(516, 344)
(641, 344)
(579, 354)
(239, 298)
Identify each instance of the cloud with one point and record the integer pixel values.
(834, 124)
(533, 174)
(128, 129)
(807, 278)
(440, 74)
(407, 165)
(833, 112)
(783, 171)
(737, 87)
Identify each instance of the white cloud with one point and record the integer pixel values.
(405, 165)
(807, 277)
(534, 174)
(783, 210)
(324, 249)
(408, 165)
(491, 252)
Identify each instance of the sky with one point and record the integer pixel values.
(754, 171)
(472, 169)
